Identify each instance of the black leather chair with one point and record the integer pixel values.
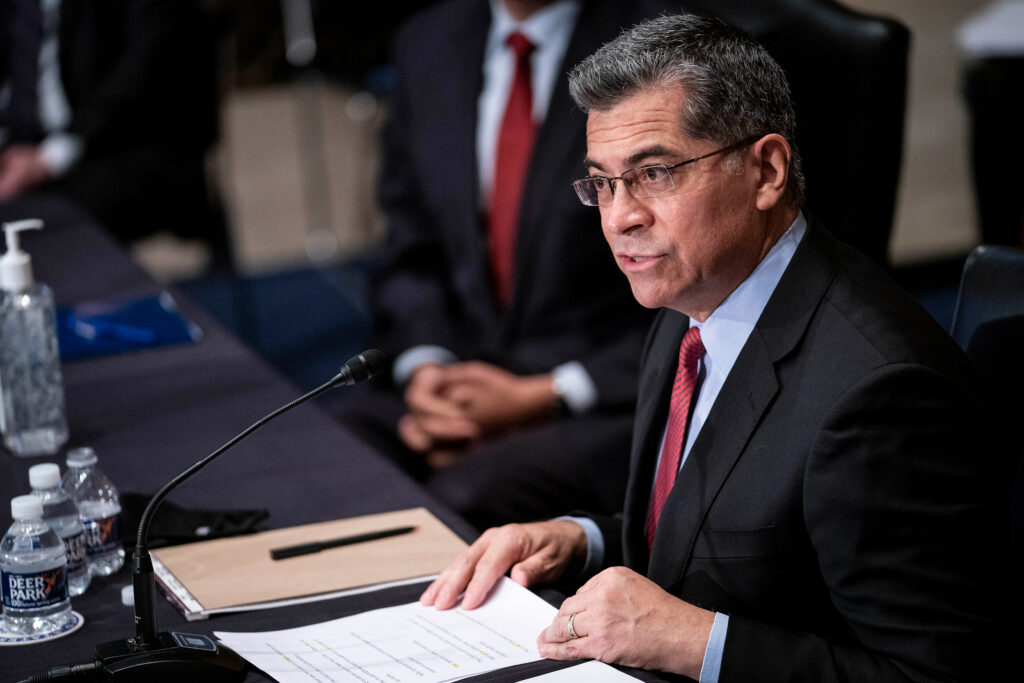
(988, 323)
(991, 288)
(848, 73)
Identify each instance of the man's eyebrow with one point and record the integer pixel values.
(655, 152)
(635, 159)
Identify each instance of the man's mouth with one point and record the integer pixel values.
(639, 261)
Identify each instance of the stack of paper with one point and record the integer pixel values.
(411, 643)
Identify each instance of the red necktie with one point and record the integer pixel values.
(690, 352)
(515, 141)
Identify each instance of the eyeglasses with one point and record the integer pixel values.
(643, 181)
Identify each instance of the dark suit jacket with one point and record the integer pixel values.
(570, 302)
(140, 81)
(134, 71)
(839, 502)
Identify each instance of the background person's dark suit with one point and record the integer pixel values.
(140, 80)
(839, 502)
(569, 302)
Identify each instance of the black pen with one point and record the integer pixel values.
(317, 546)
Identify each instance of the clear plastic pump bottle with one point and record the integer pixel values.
(32, 568)
(100, 510)
(33, 420)
(61, 513)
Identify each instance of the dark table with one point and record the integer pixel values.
(150, 414)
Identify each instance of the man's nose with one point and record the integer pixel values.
(624, 213)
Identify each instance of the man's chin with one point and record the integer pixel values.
(646, 298)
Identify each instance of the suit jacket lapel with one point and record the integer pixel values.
(746, 395)
(564, 124)
(656, 378)
(738, 408)
(461, 54)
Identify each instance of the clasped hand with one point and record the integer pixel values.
(21, 169)
(450, 406)
(620, 617)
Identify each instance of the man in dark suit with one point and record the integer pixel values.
(811, 496)
(113, 103)
(518, 371)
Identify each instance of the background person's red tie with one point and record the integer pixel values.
(515, 141)
(690, 352)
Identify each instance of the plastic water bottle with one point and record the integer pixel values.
(33, 420)
(32, 568)
(99, 508)
(61, 513)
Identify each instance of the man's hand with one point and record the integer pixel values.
(434, 420)
(624, 618)
(21, 169)
(451, 405)
(495, 398)
(536, 553)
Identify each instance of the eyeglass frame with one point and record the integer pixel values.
(742, 143)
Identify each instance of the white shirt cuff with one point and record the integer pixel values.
(412, 358)
(60, 151)
(595, 544)
(712, 666)
(573, 385)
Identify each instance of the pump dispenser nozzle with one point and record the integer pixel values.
(16, 265)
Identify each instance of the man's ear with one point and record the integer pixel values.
(773, 154)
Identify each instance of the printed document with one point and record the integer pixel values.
(404, 643)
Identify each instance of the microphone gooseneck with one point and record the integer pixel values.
(168, 650)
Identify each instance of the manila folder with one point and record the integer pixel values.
(238, 571)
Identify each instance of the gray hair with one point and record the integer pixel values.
(734, 89)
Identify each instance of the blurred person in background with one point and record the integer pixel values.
(513, 335)
(113, 104)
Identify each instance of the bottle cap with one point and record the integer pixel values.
(81, 457)
(26, 507)
(45, 476)
(16, 265)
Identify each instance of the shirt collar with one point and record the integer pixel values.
(540, 27)
(727, 328)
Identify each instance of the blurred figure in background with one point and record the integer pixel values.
(514, 336)
(112, 103)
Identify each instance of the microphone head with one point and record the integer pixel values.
(362, 366)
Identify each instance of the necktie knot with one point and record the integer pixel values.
(520, 44)
(692, 348)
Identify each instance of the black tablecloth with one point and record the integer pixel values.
(150, 414)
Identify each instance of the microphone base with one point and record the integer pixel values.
(173, 658)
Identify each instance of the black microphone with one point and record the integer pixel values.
(172, 656)
(360, 367)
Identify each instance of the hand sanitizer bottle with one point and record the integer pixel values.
(33, 421)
